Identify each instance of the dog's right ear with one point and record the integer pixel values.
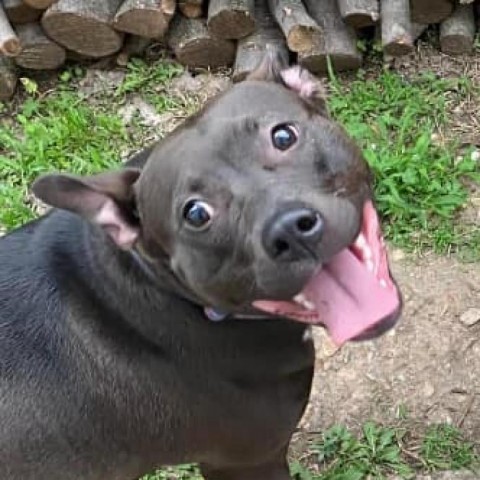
(106, 199)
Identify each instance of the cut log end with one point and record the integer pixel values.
(9, 43)
(360, 20)
(145, 23)
(39, 4)
(18, 12)
(195, 47)
(191, 8)
(231, 24)
(359, 13)
(145, 18)
(82, 34)
(397, 38)
(300, 29)
(457, 32)
(206, 53)
(38, 52)
(456, 45)
(11, 47)
(317, 62)
(430, 11)
(301, 38)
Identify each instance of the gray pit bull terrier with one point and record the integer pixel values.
(160, 313)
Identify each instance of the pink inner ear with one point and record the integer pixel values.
(300, 80)
(110, 218)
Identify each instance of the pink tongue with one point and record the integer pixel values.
(349, 298)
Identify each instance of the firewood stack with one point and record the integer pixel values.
(42, 34)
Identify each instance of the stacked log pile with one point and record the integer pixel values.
(42, 34)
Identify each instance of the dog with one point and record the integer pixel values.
(161, 313)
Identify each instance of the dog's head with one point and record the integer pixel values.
(260, 202)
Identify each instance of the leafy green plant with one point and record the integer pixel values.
(420, 185)
(181, 472)
(444, 448)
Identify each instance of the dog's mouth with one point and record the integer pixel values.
(354, 295)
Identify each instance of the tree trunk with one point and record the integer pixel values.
(458, 31)
(397, 36)
(191, 8)
(84, 26)
(430, 11)
(38, 51)
(133, 45)
(252, 49)
(39, 4)
(195, 47)
(340, 41)
(231, 19)
(9, 43)
(146, 18)
(19, 12)
(359, 13)
(300, 29)
(8, 78)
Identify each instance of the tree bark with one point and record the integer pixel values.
(9, 43)
(39, 4)
(430, 11)
(458, 31)
(195, 47)
(38, 51)
(340, 42)
(397, 36)
(359, 13)
(146, 18)
(300, 29)
(252, 49)
(231, 19)
(8, 78)
(19, 12)
(134, 45)
(84, 26)
(191, 8)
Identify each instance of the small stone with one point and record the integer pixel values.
(475, 155)
(397, 255)
(470, 317)
(428, 390)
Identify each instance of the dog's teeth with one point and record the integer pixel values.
(301, 300)
(361, 241)
(367, 252)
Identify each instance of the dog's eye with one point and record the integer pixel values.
(283, 136)
(197, 213)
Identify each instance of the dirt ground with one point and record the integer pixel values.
(428, 365)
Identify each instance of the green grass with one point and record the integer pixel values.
(65, 131)
(181, 472)
(420, 185)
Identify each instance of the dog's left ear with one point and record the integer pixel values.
(106, 199)
(274, 68)
(307, 86)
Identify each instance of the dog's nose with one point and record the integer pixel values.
(293, 235)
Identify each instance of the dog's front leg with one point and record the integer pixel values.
(276, 469)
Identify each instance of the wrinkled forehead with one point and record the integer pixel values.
(258, 99)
